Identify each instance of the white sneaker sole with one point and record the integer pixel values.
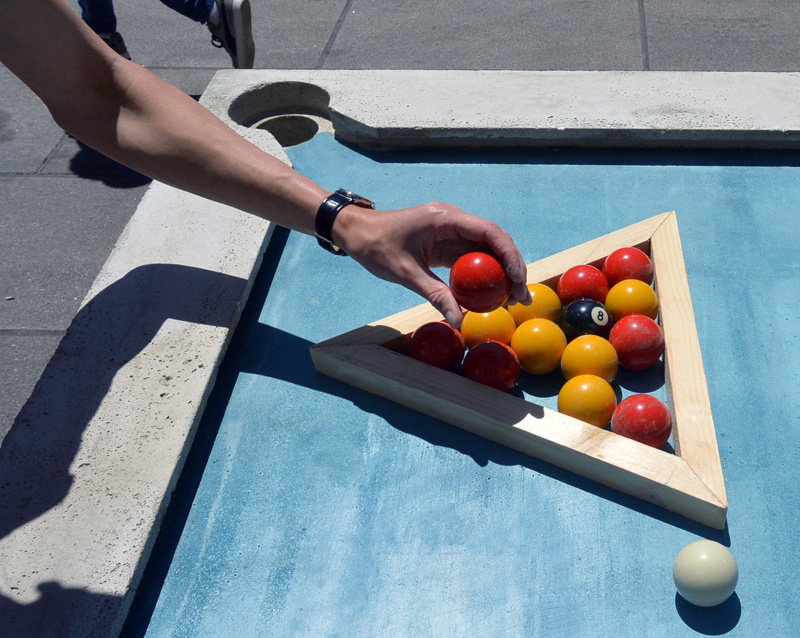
(240, 19)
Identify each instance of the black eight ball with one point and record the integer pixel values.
(586, 317)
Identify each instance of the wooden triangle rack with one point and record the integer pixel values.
(688, 482)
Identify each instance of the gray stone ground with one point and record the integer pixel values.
(62, 207)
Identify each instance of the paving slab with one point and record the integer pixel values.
(723, 36)
(27, 131)
(295, 35)
(571, 35)
(474, 35)
(191, 81)
(73, 158)
(55, 233)
(23, 357)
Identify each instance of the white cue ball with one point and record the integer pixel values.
(705, 573)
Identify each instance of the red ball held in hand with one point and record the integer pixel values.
(479, 282)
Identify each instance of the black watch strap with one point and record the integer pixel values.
(327, 213)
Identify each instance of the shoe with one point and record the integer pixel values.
(116, 42)
(234, 32)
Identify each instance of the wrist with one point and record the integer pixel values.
(329, 229)
(347, 223)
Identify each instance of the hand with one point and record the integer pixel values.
(402, 246)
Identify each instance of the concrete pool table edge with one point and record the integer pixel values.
(96, 536)
(376, 109)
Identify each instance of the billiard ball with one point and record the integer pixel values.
(497, 325)
(628, 263)
(584, 317)
(638, 340)
(632, 297)
(643, 418)
(545, 304)
(438, 344)
(582, 281)
(539, 344)
(588, 398)
(494, 364)
(705, 573)
(590, 354)
(479, 283)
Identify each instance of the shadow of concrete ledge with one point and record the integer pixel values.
(86, 453)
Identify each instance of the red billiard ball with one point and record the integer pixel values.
(494, 364)
(438, 344)
(582, 281)
(643, 418)
(479, 282)
(628, 263)
(638, 340)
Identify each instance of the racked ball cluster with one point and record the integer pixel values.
(595, 321)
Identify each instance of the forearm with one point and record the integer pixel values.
(163, 133)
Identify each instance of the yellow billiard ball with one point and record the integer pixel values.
(588, 398)
(539, 344)
(590, 354)
(632, 297)
(545, 305)
(497, 325)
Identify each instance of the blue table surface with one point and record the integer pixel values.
(318, 509)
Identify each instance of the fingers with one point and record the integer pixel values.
(520, 292)
(438, 294)
(501, 244)
(404, 245)
(483, 232)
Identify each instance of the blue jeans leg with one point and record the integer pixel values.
(99, 15)
(196, 10)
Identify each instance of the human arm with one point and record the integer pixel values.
(129, 114)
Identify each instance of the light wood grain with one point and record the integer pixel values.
(694, 435)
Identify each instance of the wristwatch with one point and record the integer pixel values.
(327, 213)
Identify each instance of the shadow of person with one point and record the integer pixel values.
(107, 333)
(88, 163)
(43, 618)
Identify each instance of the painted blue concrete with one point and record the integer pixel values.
(325, 511)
